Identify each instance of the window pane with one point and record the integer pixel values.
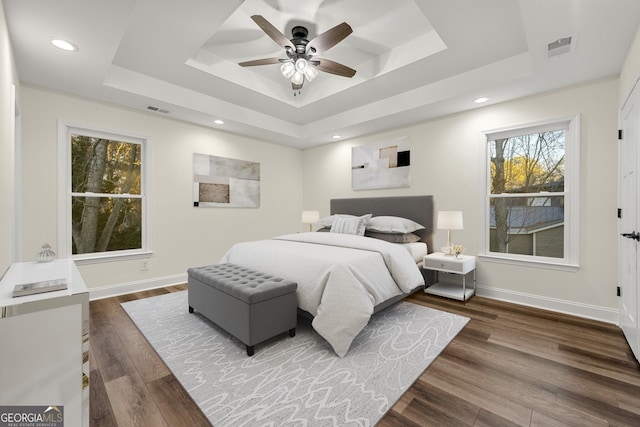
(527, 226)
(103, 224)
(104, 166)
(528, 163)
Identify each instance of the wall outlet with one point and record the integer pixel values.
(144, 265)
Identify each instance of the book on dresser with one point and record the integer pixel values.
(25, 289)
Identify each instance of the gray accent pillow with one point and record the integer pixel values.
(328, 221)
(354, 225)
(393, 237)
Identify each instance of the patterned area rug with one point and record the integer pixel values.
(294, 381)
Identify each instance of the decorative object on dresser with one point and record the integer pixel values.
(294, 381)
(451, 275)
(32, 288)
(449, 220)
(46, 254)
(310, 217)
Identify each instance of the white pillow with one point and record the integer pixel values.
(354, 225)
(328, 221)
(393, 224)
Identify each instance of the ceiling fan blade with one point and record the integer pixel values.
(332, 67)
(272, 31)
(329, 38)
(264, 61)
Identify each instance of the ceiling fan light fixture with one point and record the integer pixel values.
(310, 73)
(297, 78)
(287, 69)
(301, 64)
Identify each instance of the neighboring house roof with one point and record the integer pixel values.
(529, 219)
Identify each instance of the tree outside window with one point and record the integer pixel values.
(106, 194)
(526, 193)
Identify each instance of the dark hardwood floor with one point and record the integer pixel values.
(510, 366)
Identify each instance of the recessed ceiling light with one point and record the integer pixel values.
(64, 45)
(336, 136)
(218, 122)
(481, 100)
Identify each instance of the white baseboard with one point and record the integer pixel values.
(594, 312)
(137, 286)
(603, 314)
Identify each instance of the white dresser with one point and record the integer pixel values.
(45, 341)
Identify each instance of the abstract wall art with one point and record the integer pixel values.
(385, 164)
(225, 182)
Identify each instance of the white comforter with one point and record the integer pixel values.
(340, 277)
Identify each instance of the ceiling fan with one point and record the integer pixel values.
(301, 63)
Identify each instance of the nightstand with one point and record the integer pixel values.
(454, 269)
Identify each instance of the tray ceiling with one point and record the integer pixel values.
(415, 59)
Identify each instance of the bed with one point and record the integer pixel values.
(344, 278)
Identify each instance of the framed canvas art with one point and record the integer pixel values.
(384, 164)
(225, 182)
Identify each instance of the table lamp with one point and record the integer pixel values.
(310, 217)
(449, 220)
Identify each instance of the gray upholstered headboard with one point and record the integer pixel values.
(416, 208)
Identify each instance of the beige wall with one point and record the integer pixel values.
(8, 78)
(631, 70)
(445, 157)
(182, 236)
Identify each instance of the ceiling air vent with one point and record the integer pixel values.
(559, 47)
(157, 110)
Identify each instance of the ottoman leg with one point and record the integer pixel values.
(292, 332)
(190, 309)
(250, 350)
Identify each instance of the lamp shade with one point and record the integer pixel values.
(309, 217)
(450, 220)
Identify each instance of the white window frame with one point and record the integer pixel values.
(65, 194)
(571, 193)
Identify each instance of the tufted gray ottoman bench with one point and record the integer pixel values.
(250, 305)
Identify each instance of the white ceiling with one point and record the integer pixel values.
(415, 60)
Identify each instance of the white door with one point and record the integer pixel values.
(629, 224)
